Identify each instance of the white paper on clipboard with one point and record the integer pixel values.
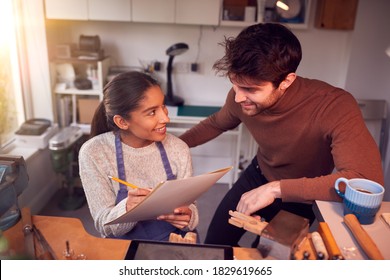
(170, 195)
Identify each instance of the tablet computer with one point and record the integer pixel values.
(160, 250)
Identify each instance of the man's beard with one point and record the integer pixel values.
(251, 108)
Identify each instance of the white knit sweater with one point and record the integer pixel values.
(143, 167)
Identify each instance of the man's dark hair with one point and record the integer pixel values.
(265, 52)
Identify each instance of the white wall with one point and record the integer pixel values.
(368, 73)
(37, 79)
(42, 184)
(354, 60)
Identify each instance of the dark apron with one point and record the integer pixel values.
(150, 229)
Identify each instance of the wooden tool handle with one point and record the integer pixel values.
(362, 237)
(319, 245)
(330, 243)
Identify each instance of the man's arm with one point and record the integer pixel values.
(354, 152)
(208, 129)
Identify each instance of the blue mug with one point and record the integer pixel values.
(362, 198)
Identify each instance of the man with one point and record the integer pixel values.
(305, 130)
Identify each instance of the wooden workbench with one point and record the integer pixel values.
(332, 213)
(58, 230)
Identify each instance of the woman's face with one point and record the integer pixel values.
(147, 124)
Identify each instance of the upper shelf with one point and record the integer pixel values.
(297, 17)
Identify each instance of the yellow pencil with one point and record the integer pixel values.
(123, 182)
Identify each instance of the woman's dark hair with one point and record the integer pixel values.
(121, 96)
(265, 52)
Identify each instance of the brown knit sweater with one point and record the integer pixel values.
(311, 130)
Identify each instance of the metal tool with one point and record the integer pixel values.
(27, 228)
(362, 237)
(280, 237)
(47, 252)
(68, 253)
(33, 237)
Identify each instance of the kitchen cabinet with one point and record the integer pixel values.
(204, 12)
(114, 10)
(68, 98)
(69, 9)
(335, 14)
(154, 11)
(235, 13)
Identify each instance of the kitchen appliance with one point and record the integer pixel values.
(172, 51)
(89, 43)
(35, 133)
(65, 74)
(62, 147)
(89, 48)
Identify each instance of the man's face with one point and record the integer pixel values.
(255, 98)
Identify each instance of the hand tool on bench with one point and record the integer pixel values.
(280, 237)
(362, 237)
(246, 222)
(45, 252)
(33, 237)
(190, 237)
(319, 245)
(329, 241)
(27, 228)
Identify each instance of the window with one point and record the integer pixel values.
(11, 101)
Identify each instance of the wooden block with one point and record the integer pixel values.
(386, 218)
(190, 238)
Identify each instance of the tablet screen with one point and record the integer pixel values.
(154, 250)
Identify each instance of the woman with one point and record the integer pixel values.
(129, 140)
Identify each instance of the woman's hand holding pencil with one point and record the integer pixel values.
(135, 196)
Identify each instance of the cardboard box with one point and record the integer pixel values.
(86, 109)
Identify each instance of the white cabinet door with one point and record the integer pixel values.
(158, 11)
(113, 10)
(204, 12)
(69, 9)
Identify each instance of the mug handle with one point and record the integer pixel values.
(336, 185)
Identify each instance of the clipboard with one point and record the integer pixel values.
(169, 195)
